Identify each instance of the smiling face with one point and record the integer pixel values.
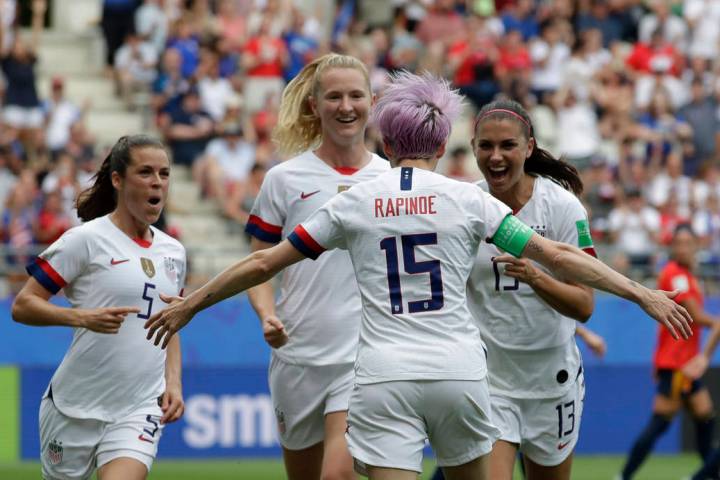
(501, 148)
(143, 190)
(342, 102)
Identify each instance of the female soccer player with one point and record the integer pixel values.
(527, 317)
(323, 114)
(679, 366)
(109, 400)
(412, 236)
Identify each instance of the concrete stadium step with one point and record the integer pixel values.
(70, 53)
(98, 89)
(207, 264)
(110, 125)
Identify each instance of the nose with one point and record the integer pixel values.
(496, 154)
(345, 104)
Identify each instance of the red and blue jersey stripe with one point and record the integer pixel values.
(46, 275)
(262, 230)
(305, 244)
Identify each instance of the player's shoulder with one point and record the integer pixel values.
(554, 193)
(378, 163)
(162, 239)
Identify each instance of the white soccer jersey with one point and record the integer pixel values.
(319, 302)
(526, 337)
(412, 236)
(105, 376)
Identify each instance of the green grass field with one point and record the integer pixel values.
(657, 467)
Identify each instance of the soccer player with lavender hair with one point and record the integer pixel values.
(412, 236)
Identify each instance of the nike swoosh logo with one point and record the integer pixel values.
(117, 262)
(304, 195)
(563, 445)
(144, 439)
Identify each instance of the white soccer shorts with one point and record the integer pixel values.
(72, 448)
(546, 430)
(389, 422)
(303, 395)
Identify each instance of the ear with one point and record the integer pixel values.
(312, 103)
(373, 100)
(530, 147)
(116, 180)
(441, 151)
(387, 149)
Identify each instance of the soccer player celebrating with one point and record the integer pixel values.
(111, 396)
(527, 317)
(323, 114)
(680, 365)
(412, 236)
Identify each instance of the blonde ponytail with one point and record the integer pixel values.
(298, 129)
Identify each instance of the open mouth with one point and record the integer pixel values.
(154, 201)
(497, 173)
(346, 120)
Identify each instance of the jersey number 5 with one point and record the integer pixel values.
(432, 267)
(146, 296)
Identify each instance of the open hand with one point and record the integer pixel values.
(520, 268)
(659, 304)
(168, 321)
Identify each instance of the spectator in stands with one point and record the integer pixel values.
(672, 28)
(8, 179)
(514, 64)
(549, 54)
(117, 21)
(202, 19)
(63, 180)
(701, 114)
(21, 108)
(706, 183)
(213, 88)
(706, 225)
(186, 41)
(187, 129)
(457, 167)
(634, 229)
(614, 25)
(578, 133)
(60, 115)
(301, 47)
(151, 24)
(232, 25)
(599, 196)
(264, 59)
(52, 221)
(225, 165)
(170, 85)
(670, 180)
(703, 18)
(135, 68)
(471, 59)
(240, 201)
(519, 16)
(16, 228)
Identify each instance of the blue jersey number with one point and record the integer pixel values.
(432, 267)
(146, 296)
(515, 285)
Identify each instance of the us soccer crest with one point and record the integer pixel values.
(147, 266)
(55, 452)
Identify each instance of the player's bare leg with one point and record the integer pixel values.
(535, 471)
(502, 460)
(303, 464)
(383, 473)
(700, 404)
(123, 468)
(337, 464)
(477, 469)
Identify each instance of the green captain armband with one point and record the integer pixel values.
(512, 235)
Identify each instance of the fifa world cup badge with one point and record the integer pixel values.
(55, 452)
(147, 266)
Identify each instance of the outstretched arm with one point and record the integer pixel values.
(571, 263)
(254, 269)
(262, 299)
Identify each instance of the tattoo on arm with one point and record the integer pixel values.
(533, 246)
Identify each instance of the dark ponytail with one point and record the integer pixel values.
(101, 199)
(541, 162)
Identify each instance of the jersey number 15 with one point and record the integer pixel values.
(432, 267)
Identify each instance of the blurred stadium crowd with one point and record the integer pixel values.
(628, 91)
